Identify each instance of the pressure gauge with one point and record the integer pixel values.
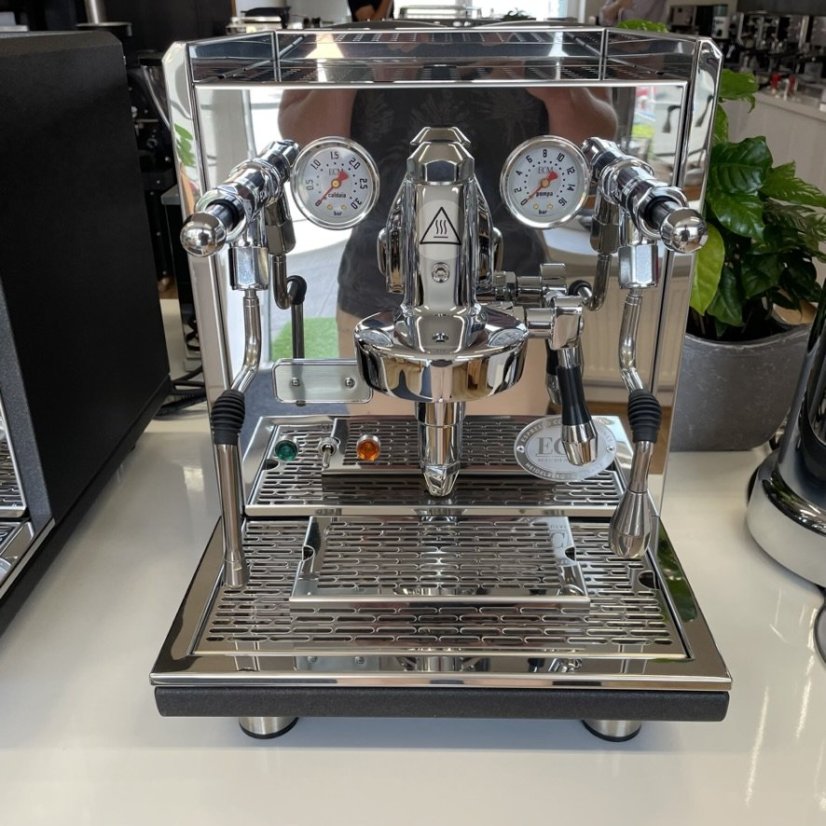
(335, 182)
(545, 181)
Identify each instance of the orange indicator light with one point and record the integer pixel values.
(368, 448)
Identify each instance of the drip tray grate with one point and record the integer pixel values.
(627, 618)
(406, 561)
(11, 497)
(301, 488)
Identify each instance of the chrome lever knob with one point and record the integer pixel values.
(683, 230)
(205, 232)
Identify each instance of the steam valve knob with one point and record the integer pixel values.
(205, 232)
(682, 229)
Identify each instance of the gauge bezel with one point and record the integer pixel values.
(539, 143)
(300, 165)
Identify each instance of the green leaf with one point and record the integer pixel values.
(782, 183)
(719, 133)
(741, 214)
(739, 167)
(728, 303)
(809, 224)
(759, 273)
(183, 144)
(737, 86)
(642, 25)
(707, 270)
(800, 277)
(778, 235)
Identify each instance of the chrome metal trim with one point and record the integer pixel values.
(319, 381)
(790, 529)
(401, 562)
(17, 549)
(191, 658)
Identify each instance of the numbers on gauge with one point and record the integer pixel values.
(545, 181)
(335, 182)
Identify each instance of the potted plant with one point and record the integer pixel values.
(740, 361)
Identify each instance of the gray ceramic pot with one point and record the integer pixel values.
(734, 396)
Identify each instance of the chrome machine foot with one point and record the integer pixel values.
(266, 727)
(617, 731)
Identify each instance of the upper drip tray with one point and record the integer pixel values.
(406, 561)
(487, 445)
(490, 481)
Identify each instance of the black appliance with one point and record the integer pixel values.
(83, 363)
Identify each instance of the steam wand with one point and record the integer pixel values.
(634, 212)
(226, 420)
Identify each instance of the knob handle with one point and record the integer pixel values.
(681, 228)
(205, 232)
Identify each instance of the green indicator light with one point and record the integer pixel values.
(286, 450)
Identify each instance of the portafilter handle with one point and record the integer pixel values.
(579, 436)
(632, 523)
(564, 378)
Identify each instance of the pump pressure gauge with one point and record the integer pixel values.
(335, 182)
(545, 181)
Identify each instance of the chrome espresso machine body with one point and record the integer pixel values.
(433, 561)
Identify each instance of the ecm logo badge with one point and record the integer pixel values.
(539, 450)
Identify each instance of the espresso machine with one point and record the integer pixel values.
(434, 561)
(787, 509)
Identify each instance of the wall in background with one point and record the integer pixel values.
(784, 6)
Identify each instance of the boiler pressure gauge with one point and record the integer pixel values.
(335, 182)
(545, 181)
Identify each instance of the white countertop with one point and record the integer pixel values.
(82, 743)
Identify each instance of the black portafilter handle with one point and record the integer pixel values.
(227, 417)
(572, 395)
(579, 435)
(644, 415)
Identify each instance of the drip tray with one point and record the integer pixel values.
(406, 561)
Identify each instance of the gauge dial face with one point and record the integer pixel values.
(545, 181)
(335, 182)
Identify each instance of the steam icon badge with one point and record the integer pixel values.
(441, 230)
(538, 449)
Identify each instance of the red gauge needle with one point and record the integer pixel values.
(544, 183)
(336, 183)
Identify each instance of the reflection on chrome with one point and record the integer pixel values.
(424, 544)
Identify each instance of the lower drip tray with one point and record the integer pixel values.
(625, 614)
(435, 561)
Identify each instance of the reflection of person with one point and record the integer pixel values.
(614, 11)
(496, 120)
(364, 10)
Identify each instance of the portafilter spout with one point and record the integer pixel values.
(440, 442)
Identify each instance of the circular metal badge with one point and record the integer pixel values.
(539, 450)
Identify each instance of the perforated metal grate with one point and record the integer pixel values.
(626, 617)
(487, 442)
(393, 561)
(299, 487)
(11, 497)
